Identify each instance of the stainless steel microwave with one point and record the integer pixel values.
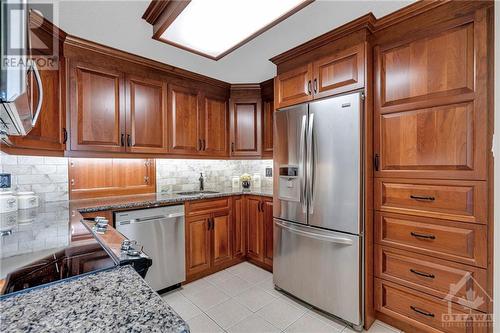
(19, 77)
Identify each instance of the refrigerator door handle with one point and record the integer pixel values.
(302, 159)
(331, 239)
(310, 164)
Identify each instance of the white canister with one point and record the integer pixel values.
(26, 200)
(256, 180)
(8, 202)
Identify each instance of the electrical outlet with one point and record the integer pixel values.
(5, 181)
(269, 172)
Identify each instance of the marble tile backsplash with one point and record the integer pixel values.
(182, 175)
(46, 176)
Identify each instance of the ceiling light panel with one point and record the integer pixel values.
(216, 27)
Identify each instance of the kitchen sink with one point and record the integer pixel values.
(196, 192)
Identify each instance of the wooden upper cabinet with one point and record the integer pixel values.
(215, 126)
(146, 115)
(340, 72)
(49, 133)
(97, 113)
(245, 127)
(294, 86)
(184, 120)
(430, 106)
(267, 128)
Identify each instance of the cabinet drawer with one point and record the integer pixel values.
(424, 312)
(206, 206)
(452, 200)
(433, 276)
(462, 242)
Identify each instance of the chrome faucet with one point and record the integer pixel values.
(201, 180)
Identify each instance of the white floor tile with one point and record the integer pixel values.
(280, 313)
(233, 286)
(377, 327)
(194, 287)
(203, 324)
(252, 324)
(208, 297)
(182, 305)
(239, 268)
(254, 298)
(228, 313)
(254, 274)
(219, 277)
(310, 324)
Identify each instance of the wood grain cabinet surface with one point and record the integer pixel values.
(340, 71)
(260, 230)
(246, 130)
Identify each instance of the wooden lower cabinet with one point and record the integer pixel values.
(419, 312)
(260, 230)
(198, 243)
(225, 231)
(239, 226)
(222, 237)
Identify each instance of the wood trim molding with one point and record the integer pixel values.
(39, 21)
(368, 21)
(162, 13)
(80, 43)
(364, 22)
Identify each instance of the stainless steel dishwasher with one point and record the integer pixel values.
(161, 232)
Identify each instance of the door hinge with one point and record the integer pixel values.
(363, 96)
(376, 162)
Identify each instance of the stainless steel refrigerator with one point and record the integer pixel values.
(318, 215)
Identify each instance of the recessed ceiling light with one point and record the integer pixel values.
(215, 28)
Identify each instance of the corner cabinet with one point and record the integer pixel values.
(338, 72)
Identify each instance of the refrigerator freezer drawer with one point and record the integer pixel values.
(320, 267)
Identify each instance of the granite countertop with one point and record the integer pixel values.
(114, 300)
(156, 199)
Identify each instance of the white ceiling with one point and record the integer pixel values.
(118, 23)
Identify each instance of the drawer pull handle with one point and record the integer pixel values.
(427, 275)
(422, 197)
(414, 234)
(422, 312)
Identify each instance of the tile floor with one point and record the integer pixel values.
(242, 298)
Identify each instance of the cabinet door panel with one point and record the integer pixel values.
(239, 217)
(267, 215)
(246, 128)
(338, 73)
(97, 115)
(48, 131)
(184, 120)
(223, 240)
(198, 254)
(215, 126)
(255, 244)
(428, 68)
(146, 116)
(267, 128)
(294, 86)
